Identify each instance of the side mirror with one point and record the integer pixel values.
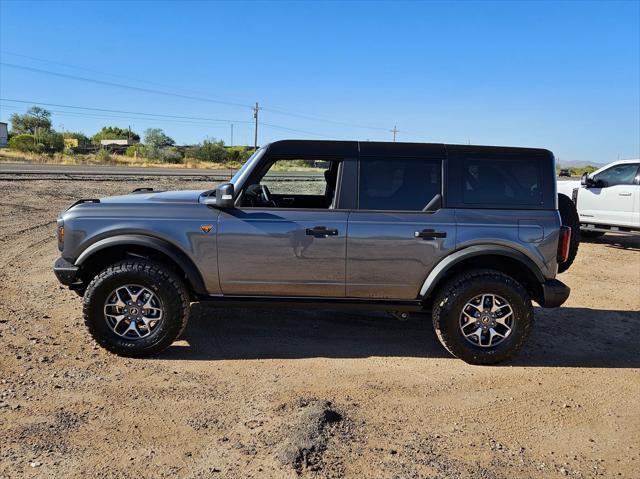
(584, 179)
(224, 196)
(588, 182)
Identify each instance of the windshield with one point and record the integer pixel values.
(250, 161)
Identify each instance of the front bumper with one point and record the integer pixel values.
(66, 272)
(554, 293)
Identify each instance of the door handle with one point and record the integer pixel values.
(624, 194)
(430, 234)
(321, 232)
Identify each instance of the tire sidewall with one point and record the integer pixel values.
(165, 332)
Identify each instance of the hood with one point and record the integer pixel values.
(185, 196)
(566, 187)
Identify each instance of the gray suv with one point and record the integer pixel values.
(472, 233)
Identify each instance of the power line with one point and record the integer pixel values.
(124, 111)
(199, 121)
(120, 85)
(101, 72)
(178, 95)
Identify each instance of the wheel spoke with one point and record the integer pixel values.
(501, 320)
(139, 308)
(486, 320)
(133, 326)
(493, 333)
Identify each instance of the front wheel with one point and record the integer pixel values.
(482, 316)
(136, 308)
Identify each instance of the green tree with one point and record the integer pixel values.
(114, 133)
(50, 141)
(35, 120)
(156, 138)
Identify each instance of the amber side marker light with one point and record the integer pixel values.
(60, 234)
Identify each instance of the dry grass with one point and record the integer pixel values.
(12, 156)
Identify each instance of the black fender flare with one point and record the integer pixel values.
(441, 269)
(178, 256)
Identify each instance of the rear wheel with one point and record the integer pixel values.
(136, 308)
(569, 217)
(482, 316)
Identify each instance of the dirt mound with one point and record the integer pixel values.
(305, 441)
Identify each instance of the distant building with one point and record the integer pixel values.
(126, 142)
(4, 134)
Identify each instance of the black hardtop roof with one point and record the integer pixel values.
(328, 148)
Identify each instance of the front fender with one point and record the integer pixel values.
(174, 253)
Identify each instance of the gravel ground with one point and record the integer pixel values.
(308, 394)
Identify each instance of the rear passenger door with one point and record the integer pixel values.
(399, 231)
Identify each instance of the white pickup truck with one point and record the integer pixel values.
(607, 200)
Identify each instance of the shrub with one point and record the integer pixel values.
(210, 150)
(169, 155)
(135, 150)
(238, 154)
(23, 142)
(103, 155)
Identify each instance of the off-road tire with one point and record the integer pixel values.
(154, 276)
(569, 217)
(453, 296)
(592, 234)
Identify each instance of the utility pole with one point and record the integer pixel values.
(394, 131)
(256, 109)
(231, 134)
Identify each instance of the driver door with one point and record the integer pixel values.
(289, 242)
(613, 203)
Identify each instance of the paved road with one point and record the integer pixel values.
(93, 170)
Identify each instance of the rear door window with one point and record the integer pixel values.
(501, 182)
(398, 184)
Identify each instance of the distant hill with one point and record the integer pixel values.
(579, 163)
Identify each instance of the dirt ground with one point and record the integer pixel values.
(312, 394)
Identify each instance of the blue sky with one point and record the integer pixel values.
(560, 75)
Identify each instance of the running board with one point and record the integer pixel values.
(297, 302)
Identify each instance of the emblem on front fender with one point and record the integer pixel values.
(206, 228)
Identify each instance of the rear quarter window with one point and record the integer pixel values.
(500, 183)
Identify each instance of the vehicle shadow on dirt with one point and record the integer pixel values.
(626, 242)
(563, 337)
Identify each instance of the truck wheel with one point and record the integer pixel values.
(482, 316)
(569, 217)
(136, 308)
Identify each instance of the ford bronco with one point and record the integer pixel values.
(470, 233)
